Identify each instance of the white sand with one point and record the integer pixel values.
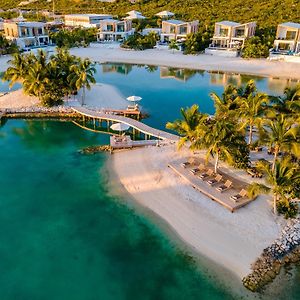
(232, 240)
(263, 67)
(17, 99)
(100, 96)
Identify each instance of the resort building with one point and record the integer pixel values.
(114, 30)
(177, 30)
(26, 34)
(85, 20)
(229, 37)
(287, 38)
(134, 15)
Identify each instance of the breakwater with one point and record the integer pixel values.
(283, 251)
(34, 112)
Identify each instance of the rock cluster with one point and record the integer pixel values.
(284, 250)
(38, 109)
(95, 149)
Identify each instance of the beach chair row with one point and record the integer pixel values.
(212, 179)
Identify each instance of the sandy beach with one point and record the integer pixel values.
(100, 96)
(113, 53)
(233, 240)
(262, 67)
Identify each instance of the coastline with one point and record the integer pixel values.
(257, 67)
(233, 241)
(112, 53)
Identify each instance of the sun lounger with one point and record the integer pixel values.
(194, 171)
(215, 180)
(187, 163)
(227, 185)
(207, 174)
(239, 196)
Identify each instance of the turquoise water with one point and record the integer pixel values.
(64, 236)
(166, 90)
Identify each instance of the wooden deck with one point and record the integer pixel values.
(211, 191)
(118, 142)
(163, 135)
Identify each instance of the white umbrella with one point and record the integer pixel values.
(119, 127)
(165, 14)
(134, 98)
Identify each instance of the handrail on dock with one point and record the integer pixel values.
(160, 134)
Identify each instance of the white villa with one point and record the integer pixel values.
(229, 37)
(114, 30)
(134, 15)
(176, 29)
(85, 20)
(287, 38)
(26, 34)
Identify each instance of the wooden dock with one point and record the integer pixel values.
(123, 142)
(115, 118)
(210, 191)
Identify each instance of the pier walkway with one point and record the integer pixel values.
(147, 130)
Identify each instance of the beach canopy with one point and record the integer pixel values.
(134, 98)
(119, 127)
(165, 14)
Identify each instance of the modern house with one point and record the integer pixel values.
(85, 20)
(287, 38)
(177, 30)
(114, 30)
(26, 34)
(134, 15)
(229, 37)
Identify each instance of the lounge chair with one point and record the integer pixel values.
(206, 174)
(239, 196)
(194, 171)
(215, 180)
(187, 163)
(227, 185)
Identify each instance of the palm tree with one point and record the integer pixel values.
(281, 134)
(35, 80)
(17, 70)
(251, 110)
(82, 76)
(221, 139)
(226, 105)
(188, 126)
(279, 182)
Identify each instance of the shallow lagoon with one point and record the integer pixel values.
(64, 235)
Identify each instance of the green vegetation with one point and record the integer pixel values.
(267, 13)
(255, 48)
(74, 38)
(140, 42)
(50, 79)
(223, 136)
(6, 47)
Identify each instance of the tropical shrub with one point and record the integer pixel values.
(196, 42)
(140, 42)
(7, 47)
(77, 37)
(286, 208)
(254, 48)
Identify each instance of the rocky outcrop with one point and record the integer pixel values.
(95, 149)
(284, 250)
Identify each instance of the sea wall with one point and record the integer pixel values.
(283, 251)
(39, 112)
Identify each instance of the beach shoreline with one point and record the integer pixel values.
(257, 67)
(233, 241)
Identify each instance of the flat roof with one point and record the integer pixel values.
(291, 24)
(175, 22)
(111, 20)
(228, 23)
(88, 15)
(31, 24)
